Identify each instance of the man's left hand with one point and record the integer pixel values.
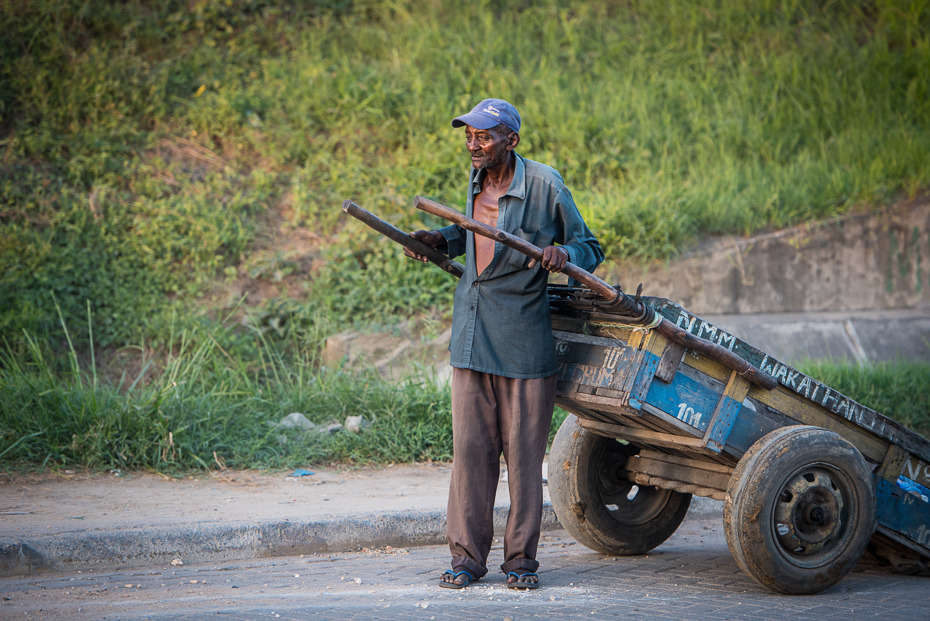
(554, 259)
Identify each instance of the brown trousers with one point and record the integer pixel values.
(494, 415)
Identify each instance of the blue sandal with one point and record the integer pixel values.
(455, 574)
(520, 584)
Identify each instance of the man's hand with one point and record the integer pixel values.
(554, 259)
(430, 238)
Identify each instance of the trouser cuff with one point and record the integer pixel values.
(520, 565)
(471, 565)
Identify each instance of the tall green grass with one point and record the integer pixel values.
(146, 147)
(208, 411)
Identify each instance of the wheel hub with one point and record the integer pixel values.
(808, 514)
(627, 503)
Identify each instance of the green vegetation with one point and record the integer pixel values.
(158, 160)
(203, 412)
(900, 390)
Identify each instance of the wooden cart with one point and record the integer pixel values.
(808, 476)
(665, 406)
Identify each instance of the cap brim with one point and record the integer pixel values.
(478, 121)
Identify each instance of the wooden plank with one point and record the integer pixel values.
(662, 422)
(670, 361)
(584, 413)
(668, 420)
(802, 411)
(677, 472)
(726, 412)
(750, 425)
(572, 337)
(700, 464)
(916, 470)
(806, 413)
(610, 393)
(685, 399)
(901, 540)
(893, 463)
(642, 437)
(903, 513)
(596, 402)
(839, 405)
(647, 372)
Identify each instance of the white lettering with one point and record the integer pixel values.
(782, 372)
(723, 336)
(805, 386)
(792, 375)
(687, 415)
(707, 328)
(912, 470)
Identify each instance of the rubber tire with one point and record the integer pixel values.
(754, 497)
(578, 496)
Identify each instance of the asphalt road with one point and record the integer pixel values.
(690, 577)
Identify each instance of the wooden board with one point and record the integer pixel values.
(812, 391)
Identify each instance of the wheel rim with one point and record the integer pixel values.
(625, 501)
(812, 515)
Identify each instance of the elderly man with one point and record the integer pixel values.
(503, 351)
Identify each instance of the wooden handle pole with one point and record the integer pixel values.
(395, 234)
(573, 271)
(613, 296)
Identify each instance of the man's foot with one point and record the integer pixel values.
(457, 578)
(529, 580)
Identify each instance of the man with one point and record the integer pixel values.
(502, 350)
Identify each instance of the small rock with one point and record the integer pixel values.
(334, 428)
(296, 420)
(358, 581)
(356, 424)
(282, 439)
(177, 561)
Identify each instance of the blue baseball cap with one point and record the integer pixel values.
(490, 113)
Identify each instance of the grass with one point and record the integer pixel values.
(206, 410)
(168, 136)
(154, 152)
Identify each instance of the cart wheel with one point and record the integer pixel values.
(799, 510)
(596, 502)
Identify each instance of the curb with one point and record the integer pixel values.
(211, 542)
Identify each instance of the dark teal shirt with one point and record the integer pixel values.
(500, 320)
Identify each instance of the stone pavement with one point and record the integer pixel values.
(80, 521)
(691, 577)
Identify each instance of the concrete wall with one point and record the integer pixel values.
(878, 260)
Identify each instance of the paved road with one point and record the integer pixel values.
(690, 577)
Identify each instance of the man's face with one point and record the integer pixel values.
(489, 148)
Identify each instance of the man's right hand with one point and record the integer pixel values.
(430, 238)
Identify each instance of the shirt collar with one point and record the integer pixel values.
(517, 187)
